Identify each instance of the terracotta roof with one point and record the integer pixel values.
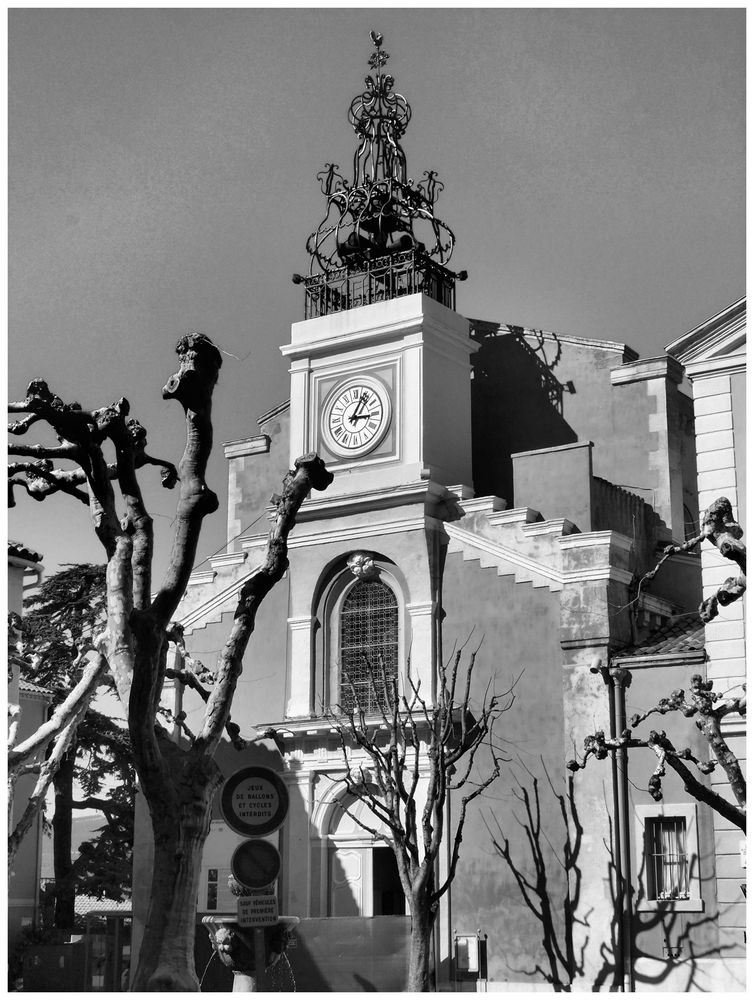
(680, 635)
(30, 688)
(21, 551)
(88, 904)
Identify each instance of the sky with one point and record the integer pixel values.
(162, 179)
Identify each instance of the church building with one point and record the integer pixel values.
(495, 486)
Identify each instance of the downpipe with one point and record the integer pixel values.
(618, 679)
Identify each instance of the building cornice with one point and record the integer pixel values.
(720, 335)
(647, 369)
(257, 445)
(729, 364)
(688, 657)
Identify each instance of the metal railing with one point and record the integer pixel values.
(389, 277)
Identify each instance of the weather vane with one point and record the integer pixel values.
(381, 211)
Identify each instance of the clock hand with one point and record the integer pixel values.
(360, 406)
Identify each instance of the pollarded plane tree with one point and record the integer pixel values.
(417, 753)
(178, 781)
(706, 707)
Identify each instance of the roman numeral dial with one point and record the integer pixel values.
(356, 416)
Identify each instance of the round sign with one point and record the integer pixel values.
(254, 801)
(255, 863)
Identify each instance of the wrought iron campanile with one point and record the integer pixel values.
(380, 237)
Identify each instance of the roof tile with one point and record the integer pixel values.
(684, 634)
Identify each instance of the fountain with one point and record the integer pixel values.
(245, 949)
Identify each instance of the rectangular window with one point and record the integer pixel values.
(667, 857)
(667, 871)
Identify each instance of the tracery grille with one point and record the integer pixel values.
(368, 631)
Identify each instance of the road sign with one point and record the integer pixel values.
(255, 863)
(254, 801)
(257, 911)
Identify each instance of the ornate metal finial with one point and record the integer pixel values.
(377, 213)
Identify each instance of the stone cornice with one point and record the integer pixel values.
(555, 576)
(719, 335)
(558, 447)
(371, 529)
(690, 657)
(269, 414)
(646, 369)
(729, 364)
(227, 559)
(257, 445)
(392, 320)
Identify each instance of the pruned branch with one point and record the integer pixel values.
(74, 706)
(192, 385)
(309, 473)
(60, 729)
(707, 709)
(721, 529)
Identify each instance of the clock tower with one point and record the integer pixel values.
(380, 373)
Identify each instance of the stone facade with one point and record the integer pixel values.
(525, 483)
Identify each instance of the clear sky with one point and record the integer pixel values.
(162, 179)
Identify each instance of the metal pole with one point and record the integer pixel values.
(621, 679)
(259, 958)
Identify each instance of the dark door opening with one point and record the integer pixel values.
(387, 893)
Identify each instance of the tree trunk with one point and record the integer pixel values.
(421, 945)
(166, 958)
(62, 826)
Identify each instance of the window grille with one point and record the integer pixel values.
(667, 858)
(368, 631)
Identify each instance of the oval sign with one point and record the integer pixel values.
(254, 801)
(255, 863)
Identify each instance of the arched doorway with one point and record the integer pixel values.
(362, 873)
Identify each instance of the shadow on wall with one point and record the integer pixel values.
(516, 405)
(679, 939)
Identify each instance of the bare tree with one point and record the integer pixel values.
(702, 704)
(418, 753)
(178, 781)
(721, 529)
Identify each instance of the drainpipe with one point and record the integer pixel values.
(617, 680)
(621, 678)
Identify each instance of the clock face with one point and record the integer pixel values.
(356, 416)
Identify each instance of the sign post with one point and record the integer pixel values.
(254, 802)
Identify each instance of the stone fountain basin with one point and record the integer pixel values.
(235, 944)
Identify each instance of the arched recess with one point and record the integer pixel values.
(353, 588)
(358, 874)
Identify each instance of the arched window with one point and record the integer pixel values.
(368, 643)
